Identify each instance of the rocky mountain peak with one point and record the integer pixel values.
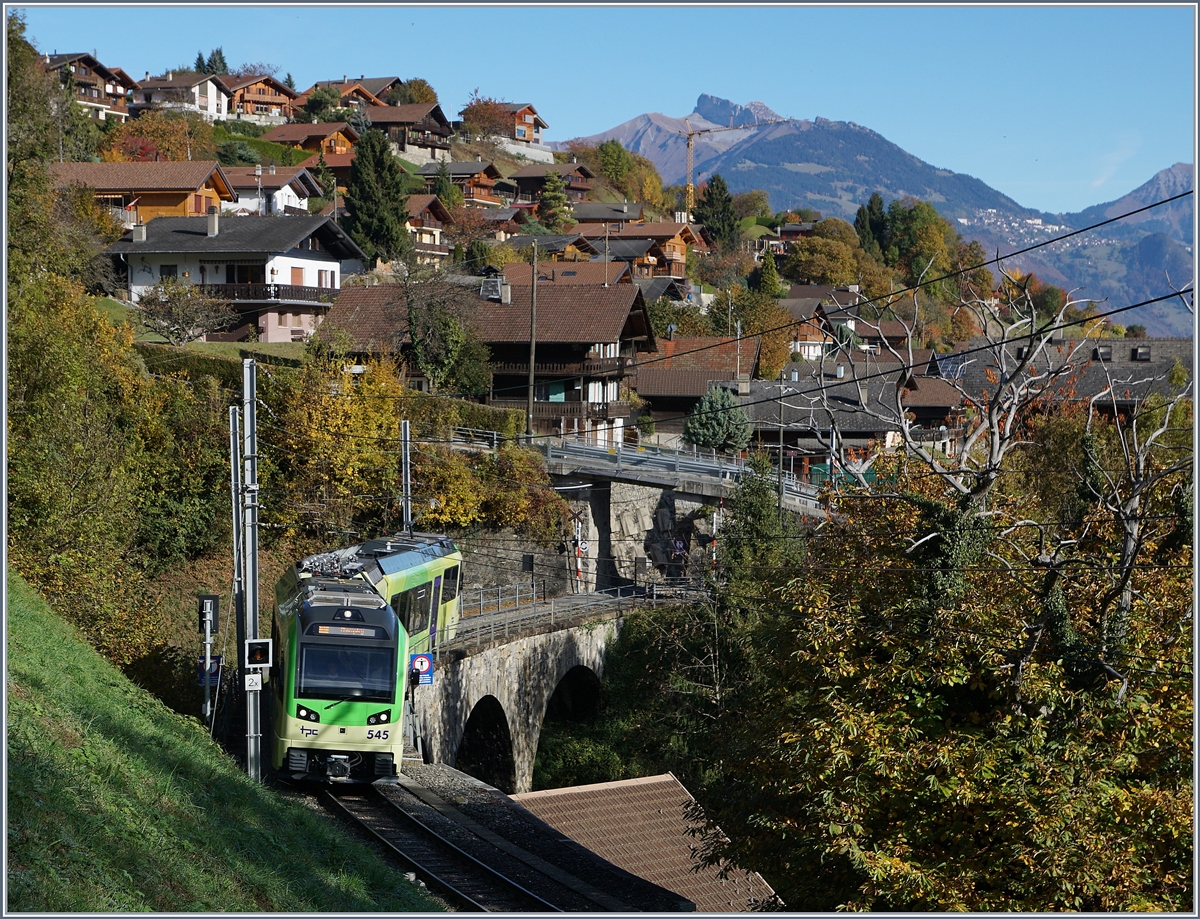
(720, 111)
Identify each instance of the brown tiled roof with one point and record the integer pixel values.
(659, 381)
(639, 825)
(404, 114)
(704, 353)
(593, 273)
(419, 203)
(375, 317)
(566, 314)
(140, 177)
(332, 160)
(298, 133)
(244, 177)
(541, 170)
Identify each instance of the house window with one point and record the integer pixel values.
(168, 271)
(1102, 353)
(1140, 353)
(281, 319)
(1021, 352)
(198, 204)
(520, 131)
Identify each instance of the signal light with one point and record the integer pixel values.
(380, 717)
(258, 652)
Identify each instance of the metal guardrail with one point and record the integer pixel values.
(512, 618)
(679, 463)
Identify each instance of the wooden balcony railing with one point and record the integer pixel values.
(248, 293)
(588, 367)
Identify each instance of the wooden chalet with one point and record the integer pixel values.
(427, 218)
(100, 90)
(138, 192)
(352, 95)
(260, 99)
(329, 138)
(673, 239)
(418, 133)
(576, 176)
(527, 123)
(476, 180)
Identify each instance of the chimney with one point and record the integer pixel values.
(212, 221)
(506, 293)
(743, 384)
(841, 371)
(139, 233)
(272, 169)
(147, 74)
(170, 75)
(625, 206)
(479, 157)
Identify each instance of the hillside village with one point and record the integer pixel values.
(270, 239)
(959, 677)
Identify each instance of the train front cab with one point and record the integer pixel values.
(339, 690)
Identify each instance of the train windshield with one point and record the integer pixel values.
(347, 672)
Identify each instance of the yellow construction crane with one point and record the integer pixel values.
(690, 135)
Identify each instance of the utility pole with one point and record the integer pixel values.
(532, 340)
(235, 487)
(253, 681)
(406, 475)
(781, 445)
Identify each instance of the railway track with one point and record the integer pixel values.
(441, 864)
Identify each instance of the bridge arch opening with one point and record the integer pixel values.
(577, 696)
(486, 750)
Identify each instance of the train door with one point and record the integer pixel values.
(435, 606)
(450, 604)
(415, 608)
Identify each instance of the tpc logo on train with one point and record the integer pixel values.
(421, 665)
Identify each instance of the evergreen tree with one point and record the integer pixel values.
(289, 82)
(552, 203)
(216, 62)
(715, 211)
(443, 186)
(477, 256)
(718, 422)
(377, 200)
(768, 275)
(325, 177)
(199, 65)
(870, 223)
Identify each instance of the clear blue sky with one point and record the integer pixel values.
(1057, 107)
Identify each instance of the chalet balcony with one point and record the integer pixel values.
(590, 367)
(597, 411)
(428, 223)
(270, 293)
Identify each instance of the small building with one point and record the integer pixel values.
(352, 95)
(280, 274)
(418, 132)
(643, 826)
(268, 190)
(183, 91)
(330, 138)
(260, 99)
(560, 247)
(100, 90)
(643, 256)
(596, 274)
(337, 163)
(139, 192)
(378, 87)
(606, 213)
(673, 239)
(576, 176)
(527, 123)
(476, 180)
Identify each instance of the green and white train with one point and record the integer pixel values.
(345, 624)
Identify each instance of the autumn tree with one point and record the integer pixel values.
(614, 160)
(485, 117)
(181, 312)
(163, 134)
(754, 203)
(815, 260)
(324, 104)
(411, 92)
(377, 200)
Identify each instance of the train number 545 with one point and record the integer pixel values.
(376, 735)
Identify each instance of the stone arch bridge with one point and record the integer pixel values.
(485, 710)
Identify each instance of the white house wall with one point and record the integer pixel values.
(279, 269)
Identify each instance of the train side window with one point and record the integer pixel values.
(412, 606)
(450, 584)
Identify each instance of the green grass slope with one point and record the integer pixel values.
(116, 803)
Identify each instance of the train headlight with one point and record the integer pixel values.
(306, 714)
(380, 717)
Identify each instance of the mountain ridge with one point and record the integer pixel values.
(835, 166)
